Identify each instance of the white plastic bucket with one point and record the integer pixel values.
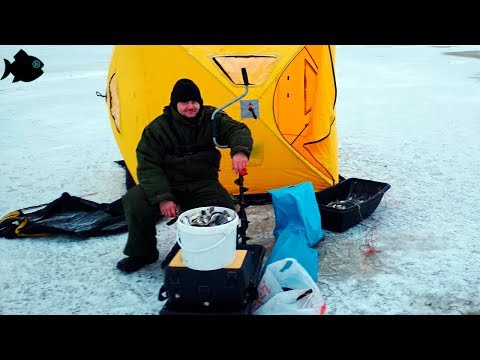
(207, 247)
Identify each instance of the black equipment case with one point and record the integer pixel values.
(230, 290)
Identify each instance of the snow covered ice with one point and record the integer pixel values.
(407, 116)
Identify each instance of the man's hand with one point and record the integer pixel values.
(239, 162)
(168, 208)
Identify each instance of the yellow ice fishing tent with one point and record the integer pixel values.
(289, 105)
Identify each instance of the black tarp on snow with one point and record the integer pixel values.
(84, 218)
(66, 215)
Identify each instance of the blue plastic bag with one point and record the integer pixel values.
(298, 226)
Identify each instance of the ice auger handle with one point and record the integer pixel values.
(214, 128)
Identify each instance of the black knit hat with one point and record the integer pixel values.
(185, 90)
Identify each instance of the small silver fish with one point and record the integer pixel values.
(209, 217)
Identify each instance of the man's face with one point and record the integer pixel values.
(188, 109)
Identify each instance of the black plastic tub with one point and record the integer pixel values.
(347, 203)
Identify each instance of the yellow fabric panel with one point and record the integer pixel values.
(304, 110)
(323, 115)
(280, 167)
(273, 163)
(145, 75)
(204, 55)
(258, 68)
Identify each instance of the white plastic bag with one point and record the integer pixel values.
(287, 289)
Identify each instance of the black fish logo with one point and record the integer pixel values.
(25, 67)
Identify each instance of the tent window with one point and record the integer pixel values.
(114, 101)
(258, 67)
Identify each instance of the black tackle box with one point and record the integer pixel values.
(230, 290)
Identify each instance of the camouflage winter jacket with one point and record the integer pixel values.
(166, 160)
